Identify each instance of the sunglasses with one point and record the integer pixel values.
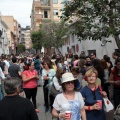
(69, 82)
(94, 96)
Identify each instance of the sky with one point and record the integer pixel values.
(19, 9)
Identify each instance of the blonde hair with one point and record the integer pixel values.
(91, 71)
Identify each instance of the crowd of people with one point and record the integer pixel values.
(70, 83)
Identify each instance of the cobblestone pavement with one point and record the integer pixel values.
(47, 116)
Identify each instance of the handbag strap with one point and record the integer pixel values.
(100, 88)
(106, 100)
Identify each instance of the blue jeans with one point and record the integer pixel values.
(116, 97)
(1, 95)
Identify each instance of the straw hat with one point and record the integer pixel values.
(67, 77)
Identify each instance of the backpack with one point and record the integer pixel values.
(117, 113)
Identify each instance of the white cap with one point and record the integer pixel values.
(67, 77)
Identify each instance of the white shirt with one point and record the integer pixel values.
(1, 75)
(7, 66)
(56, 84)
(62, 104)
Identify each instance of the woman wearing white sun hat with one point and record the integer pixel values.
(69, 100)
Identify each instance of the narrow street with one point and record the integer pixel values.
(40, 103)
(47, 116)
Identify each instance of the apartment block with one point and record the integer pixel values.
(25, 38)
(12, 32)
(4, 41)
(44, 11)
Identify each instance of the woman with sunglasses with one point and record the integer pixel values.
(93, 97)
(69, 100)
(47, 76)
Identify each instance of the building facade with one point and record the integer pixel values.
(101, 48)
(4, 41)
(13, 33)
(25, 38)
(44, 11)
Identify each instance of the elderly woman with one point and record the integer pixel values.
(91, 94)
(69, 100)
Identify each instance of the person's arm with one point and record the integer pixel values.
(37, 77)
(59, 115)
(96, 106)
(56, 84)
(83, 113)
(25, 79)
(111, 79)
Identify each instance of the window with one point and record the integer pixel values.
(72, 38)
(68, 49)
(45, 14)
(55, 11)
(73, 49)
(91, 51)
(55, 1)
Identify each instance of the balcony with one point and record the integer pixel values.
(37, 4)
(46, 6)
(38, 16)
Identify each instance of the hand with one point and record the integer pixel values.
(104, 94)
(64, 116)
(96, 106)
(34, 76)
(117, 82)
(46, 77)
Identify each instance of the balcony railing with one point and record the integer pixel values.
(37, 4)
(38, 16)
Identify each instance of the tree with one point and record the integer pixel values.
(96, 19)
(20, 48)
(54, 34)
(37, 40)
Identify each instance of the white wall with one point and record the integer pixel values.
(108, 49)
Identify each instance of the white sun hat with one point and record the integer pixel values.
(67, 77)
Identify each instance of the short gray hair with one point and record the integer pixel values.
(11, 84)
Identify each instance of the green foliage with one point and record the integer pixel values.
(54, 34)
(20, 48)
(37, 39)
(95, 18)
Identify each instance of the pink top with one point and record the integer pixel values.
(31, 83)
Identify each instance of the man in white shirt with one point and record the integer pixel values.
(7, 65)
(2, 76)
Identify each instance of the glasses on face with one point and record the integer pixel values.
(94, 96)
(93, 77)
(69, 82)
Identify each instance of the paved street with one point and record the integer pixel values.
(40, 103)
(47, 116)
